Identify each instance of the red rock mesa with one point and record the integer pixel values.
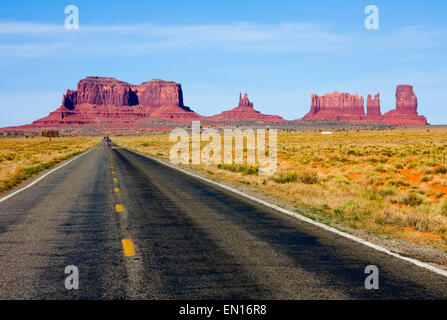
(98, 100)
(337, 107)
(350, 108)
(244, 112)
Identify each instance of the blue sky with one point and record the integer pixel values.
(279, 52)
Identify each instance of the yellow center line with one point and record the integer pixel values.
(128, 247)
(119, 208)
(117, 189)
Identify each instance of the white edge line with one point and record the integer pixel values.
(303, 218)
(43, 176)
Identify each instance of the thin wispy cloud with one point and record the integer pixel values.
(17, 28)
(26, 40)
(146, 38)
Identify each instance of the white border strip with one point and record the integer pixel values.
(303, 218)
(43, 176)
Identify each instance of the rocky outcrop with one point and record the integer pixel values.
(100, 100)
(405, 113)
(244, 112)
(245, 102)
(350, 108)
(100, 91)
(373, 112)
(159, 93)
(109, 91)
(337, 107)
(406, 100)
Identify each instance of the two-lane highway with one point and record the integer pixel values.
(137, 229)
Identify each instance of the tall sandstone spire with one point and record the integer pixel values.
(405, 113)
(373, 112)
(245, 102)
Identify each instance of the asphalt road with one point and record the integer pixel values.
(187, 239)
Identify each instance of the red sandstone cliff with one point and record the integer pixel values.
(244, 112)
(350, 108)
(337, 107)
(98, 100)
(405, 113)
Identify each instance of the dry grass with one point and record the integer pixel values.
(386, 182)
(22, 158)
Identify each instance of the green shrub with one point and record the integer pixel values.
(286, 178)
(7, 156)
(426, 178)
(441, 170)
(371, 195)
(386, 192)
(412, 165)
(243, 168)
(342, 180)
(308, 177)
(339, 212)
(398, 183)
(412, 199)
(444, 208)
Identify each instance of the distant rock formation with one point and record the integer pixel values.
(98, 100)
(245, 102)
(405, 113)
(373, 112)
(100, 91)
(350, 108)
(244, 112)
(337, 107)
